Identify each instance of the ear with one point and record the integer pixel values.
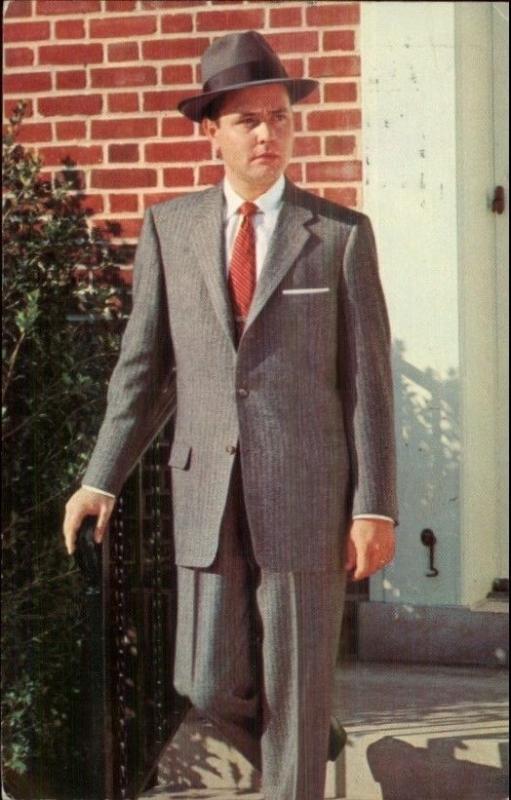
(210, 129)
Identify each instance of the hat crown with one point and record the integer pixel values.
(233, 50)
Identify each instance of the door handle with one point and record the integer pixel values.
(498, 202)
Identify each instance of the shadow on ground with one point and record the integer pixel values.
(434, 772)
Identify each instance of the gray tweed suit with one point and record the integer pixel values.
(295, 423)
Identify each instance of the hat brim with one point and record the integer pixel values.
(195, 107)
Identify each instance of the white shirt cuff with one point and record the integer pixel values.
(99, 491)
(374, 516)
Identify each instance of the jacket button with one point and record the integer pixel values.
(230, 449)
(242, 392)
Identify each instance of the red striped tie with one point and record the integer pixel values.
(242, 269)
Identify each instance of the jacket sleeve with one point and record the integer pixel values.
(141, 393)
(367, 378)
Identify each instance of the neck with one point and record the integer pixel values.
(249, 192)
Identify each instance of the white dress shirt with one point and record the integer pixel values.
(264, 223)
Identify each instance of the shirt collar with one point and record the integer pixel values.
(269, 201)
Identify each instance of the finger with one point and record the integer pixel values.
(363, 567)
(70, 528)
(101, 525)
(351, 557)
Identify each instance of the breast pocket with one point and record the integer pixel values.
(180, 455)
(306, 291)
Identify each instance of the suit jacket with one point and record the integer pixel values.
(306, 398)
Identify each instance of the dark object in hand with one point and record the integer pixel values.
(88, 553)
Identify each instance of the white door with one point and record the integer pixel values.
(501, 149)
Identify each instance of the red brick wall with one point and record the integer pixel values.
(102, 79)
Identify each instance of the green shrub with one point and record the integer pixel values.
(61, 328)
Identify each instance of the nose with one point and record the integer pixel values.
(265, 132)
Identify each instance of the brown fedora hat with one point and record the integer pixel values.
(236, 61)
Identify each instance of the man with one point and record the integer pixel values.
(261, 304)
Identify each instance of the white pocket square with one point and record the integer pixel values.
(318, 290)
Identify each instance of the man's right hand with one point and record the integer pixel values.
(84, 503)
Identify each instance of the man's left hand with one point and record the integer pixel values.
(371, 546)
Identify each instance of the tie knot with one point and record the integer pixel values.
(248, 209)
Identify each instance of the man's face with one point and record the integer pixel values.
(253, 134)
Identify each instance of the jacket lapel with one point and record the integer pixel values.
(208, 245)
(288, 240)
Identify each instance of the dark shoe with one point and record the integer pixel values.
(337, 741)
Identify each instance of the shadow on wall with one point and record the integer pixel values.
(428, 441)
(434, 772)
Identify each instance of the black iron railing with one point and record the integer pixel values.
(131, 709)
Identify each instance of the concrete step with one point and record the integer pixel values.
(414, 733)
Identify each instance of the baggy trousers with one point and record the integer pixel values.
(255, 653)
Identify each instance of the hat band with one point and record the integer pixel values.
(249, 72)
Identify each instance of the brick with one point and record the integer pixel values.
(163, 101)
(313, 97)
(285, 17)
(30, 82)
(306, 146)
(339, 40)
(176, 126)
(160, 197)
(230, 20)
(296, 42)
(177, 73)
(178, 151)
(123, 202)
(71, 79)
(345, 197)
(298, 121)
(337, 66)
(19, 57)
(210, 174)
(340, 145)
(19, 8)
(54, 156)
(123, 152)
(295, 173)
(70, 29)
(71, 54)
(38, 132)
(26, 31)
(178, 176)
(123, 76)
(93, 203)
(334, 120)
(71, 130)
(123, 51)
(177, 23)
(334, 171)
(164, 4)
(122, 178)
(116, 27)
(333, 14)
(340, 92)
(67, 6)
(120, 5)
(293, 67)
(69, 105)
(122, 102)
(166, 49)
(123, 128)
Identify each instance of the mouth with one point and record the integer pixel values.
(265, 157)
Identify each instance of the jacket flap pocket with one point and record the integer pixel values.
(180, 455)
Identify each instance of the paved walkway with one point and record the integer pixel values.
(415, 733)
